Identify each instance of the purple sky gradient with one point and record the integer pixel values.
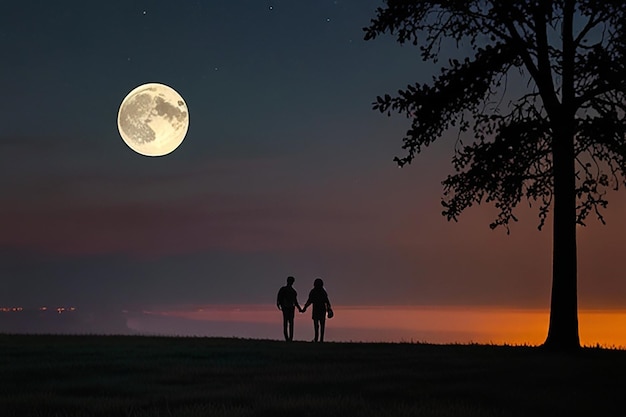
(286, 170)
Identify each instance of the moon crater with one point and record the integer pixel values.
(153, 119)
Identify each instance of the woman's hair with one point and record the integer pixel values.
(318, 283)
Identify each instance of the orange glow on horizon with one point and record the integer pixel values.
(428, 324)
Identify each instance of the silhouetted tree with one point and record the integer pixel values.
(559, 141)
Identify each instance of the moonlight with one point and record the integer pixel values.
(153, 119)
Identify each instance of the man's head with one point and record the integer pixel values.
(290, 280)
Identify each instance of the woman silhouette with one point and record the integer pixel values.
(319, 298)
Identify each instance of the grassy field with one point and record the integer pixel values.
(158, 376)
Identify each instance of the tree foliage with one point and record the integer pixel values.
(539, 105)
(567, 60)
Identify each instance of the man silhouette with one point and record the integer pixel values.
(287, 301)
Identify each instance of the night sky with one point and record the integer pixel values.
(285, 170)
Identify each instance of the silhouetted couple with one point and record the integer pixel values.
(287, 301)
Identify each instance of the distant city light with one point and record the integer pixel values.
(42, 308)
(10, 309)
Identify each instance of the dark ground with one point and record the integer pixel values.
(159, 376)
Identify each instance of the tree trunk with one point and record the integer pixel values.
(563, 330)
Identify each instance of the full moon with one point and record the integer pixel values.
(153, 119)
